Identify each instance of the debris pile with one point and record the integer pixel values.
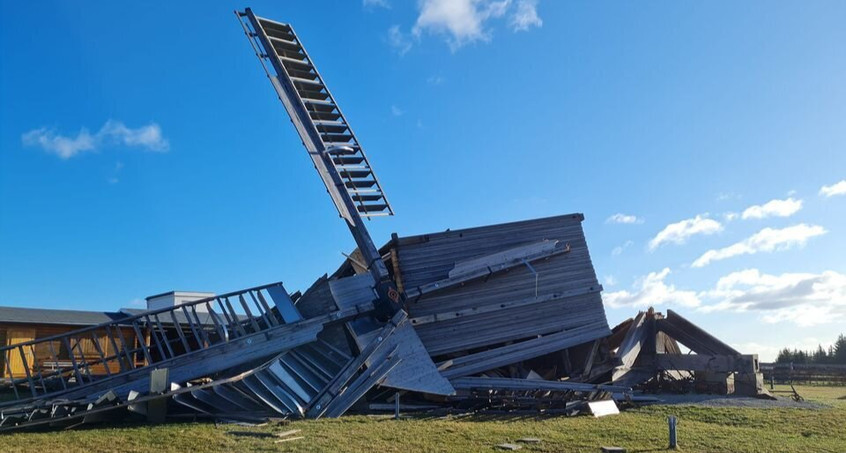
(500, 317)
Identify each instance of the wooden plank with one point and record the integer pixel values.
(518, 352)
(283, 303)
(416, 371)
(319, 403)
(396, 267)
(631, 346)
(488, 265)
(701, 362)
(692, 336)
(492, 383)
(590, 357)
(489, 308)
(513, 256)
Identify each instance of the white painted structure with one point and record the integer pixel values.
(174, 298)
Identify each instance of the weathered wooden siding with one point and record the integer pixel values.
(41, 357)
(511, 304)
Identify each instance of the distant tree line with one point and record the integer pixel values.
(836, 354)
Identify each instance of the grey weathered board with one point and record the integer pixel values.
(430, 258)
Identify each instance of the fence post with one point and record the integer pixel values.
(673, 421)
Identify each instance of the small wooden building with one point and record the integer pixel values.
(20, 325)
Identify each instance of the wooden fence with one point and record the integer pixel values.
(783, 373)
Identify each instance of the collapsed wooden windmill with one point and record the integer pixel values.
(480, 316)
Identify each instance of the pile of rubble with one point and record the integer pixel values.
(504, 317)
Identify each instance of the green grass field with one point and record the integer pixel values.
(639, 430)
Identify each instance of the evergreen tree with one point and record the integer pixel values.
(839, 355)
(784, 356)
(819, 356)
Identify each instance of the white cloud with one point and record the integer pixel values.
(64, 147)
(805, 299)
(526, 16)
(618, 250)
(651, 290)
(834, 189)
(396, 111)
(461, 21)
(610, 280)
(766, 240)
(623, 218)
(399, 40)
(768, 353)
(147, 137)
(773, 208)
(729, 216)
(679, 232)
(376, 4)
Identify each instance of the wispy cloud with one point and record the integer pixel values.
(623, 218)
(618, 250)
(375, 4)
(766, 240)
(137, 303)
(773, 208)
(148, 138)
(115, 173)
(435, 80)
(396, 111)
(834, 189)
(525, 16)
(724, 196)
(680, 232)
(400, 41)
(652, 290)
(805, 299)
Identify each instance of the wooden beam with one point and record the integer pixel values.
(690, 335)
(702, 362)
(631, 346)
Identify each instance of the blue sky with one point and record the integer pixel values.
(143, 150)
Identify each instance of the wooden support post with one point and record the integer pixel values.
(7, 360)
(58, 368)
(151, 334)
(100, 352)
(221, 331)
(76, 372)
(178, 327)
(163, 335)
(233, 321)
(249, 313)
(157, 408)
(262, 310)
(26, 369)
(139, 338)
(692, 336)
